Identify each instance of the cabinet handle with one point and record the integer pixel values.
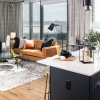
(97, 85)
(68, 84)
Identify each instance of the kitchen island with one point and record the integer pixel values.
(73, 80)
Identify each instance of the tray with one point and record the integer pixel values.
(67, 59)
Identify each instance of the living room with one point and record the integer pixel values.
(34, 35)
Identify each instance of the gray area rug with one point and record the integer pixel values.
(11, 77)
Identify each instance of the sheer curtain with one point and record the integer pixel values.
(17, 19)
(10, 19)
(78, 20)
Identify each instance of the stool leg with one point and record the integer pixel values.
(46, 87)
(49, 88)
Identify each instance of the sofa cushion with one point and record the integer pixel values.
(30, 44)
(18, 50)
(21, 43)
(54, 43)
(16, 45)
(47, 43)
(34, 52)
(38, 44)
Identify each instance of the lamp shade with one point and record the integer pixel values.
(87, 4)
(12, 35)
(51, 27)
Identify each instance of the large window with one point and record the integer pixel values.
(26, 20)
(57, 14)
(96, 12)
(36, 20)
(31, 20)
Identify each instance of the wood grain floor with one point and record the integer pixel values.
(30, 91)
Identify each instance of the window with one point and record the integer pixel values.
(26, 20)
(96, 12)
(36, 20)
(55, 13)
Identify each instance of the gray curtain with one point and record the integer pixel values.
(17, 19)
(78, 20)
(10, 19)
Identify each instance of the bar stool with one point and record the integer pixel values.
(47, 84)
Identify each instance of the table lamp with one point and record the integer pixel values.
(12, 36)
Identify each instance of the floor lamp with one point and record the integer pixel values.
(51, 27)
(63, 52)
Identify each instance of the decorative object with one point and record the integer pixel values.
(17, 77)
(8, 41)
(86, 55)
(87, 4)
(12, 35)
(71, 58)
(3, 46)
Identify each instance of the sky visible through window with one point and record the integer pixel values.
(97, 15)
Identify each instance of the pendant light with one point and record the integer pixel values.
(87, 4)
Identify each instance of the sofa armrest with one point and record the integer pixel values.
(50, 51)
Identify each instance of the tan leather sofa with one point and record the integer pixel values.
(38, 54)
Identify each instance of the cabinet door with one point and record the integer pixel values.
(65, 85)
(95, 89)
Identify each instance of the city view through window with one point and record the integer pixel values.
(52, 13)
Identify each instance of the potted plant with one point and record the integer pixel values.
(93, 38)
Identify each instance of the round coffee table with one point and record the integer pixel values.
(4, 56)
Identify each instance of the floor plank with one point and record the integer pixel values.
(30, 91)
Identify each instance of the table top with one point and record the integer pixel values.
(7, 55)
(74, 66)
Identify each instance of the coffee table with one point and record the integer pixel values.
(7, 55)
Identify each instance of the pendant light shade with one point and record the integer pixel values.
(87, 4)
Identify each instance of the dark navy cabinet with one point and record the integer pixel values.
(66, 85)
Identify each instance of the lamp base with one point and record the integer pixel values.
(86, 62)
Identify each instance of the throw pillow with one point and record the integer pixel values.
(16, 42)
(47, 43)
(21, 44)
(29, 46)
(54, 43)
(28, 43)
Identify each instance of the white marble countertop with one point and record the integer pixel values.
(74, 66)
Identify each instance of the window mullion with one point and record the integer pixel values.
(30, 20)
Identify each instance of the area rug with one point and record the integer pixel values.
(11, 77)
